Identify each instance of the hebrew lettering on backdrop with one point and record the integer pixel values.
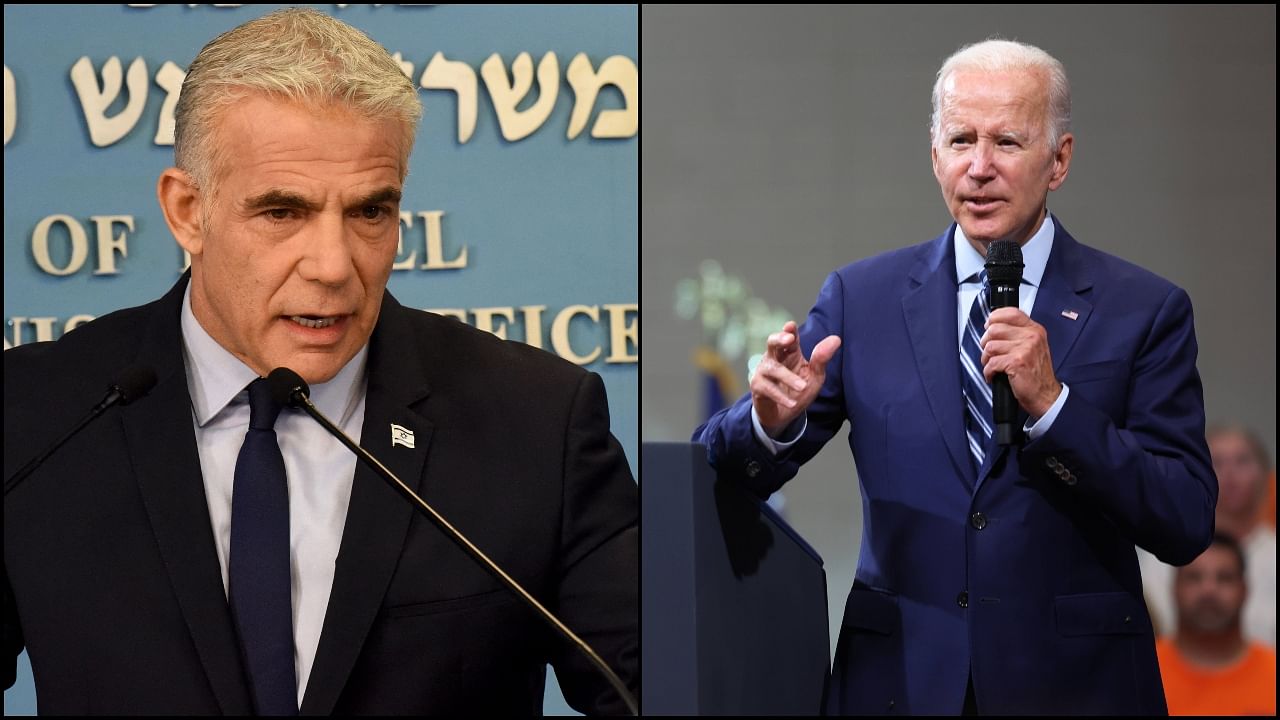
(10, 105)
(440, 74)
(519, 124)
(95, 99)
(586, 83)
(170, 78)
(444, 74)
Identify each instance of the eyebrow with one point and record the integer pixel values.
(966, 130)
(383, 195)
(278, 198)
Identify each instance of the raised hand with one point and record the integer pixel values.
(785, 384)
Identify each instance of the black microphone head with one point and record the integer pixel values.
(134, 382)
(1004, 262)
(285, 384)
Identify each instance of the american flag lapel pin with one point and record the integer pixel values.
(1070, 314)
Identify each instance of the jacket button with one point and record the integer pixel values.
(963, 599)
(753, 469)
(1069, 479)
(1051, 463)
(978, 520)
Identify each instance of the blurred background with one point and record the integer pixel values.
(784, 142)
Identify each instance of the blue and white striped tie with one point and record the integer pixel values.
(977, 393)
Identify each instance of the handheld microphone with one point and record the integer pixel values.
(289, 389)
(132, 383)
(1004, 276)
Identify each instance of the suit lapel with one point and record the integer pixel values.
(1061, 292)
(161, 442)
(377, 518)
(930, 313)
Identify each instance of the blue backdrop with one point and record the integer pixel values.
(533, 237)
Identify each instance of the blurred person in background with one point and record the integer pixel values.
(1209, 667)
(1243, 466)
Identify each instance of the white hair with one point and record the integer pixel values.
(295, 54)
(1005, 55)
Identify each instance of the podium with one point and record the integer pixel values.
(734, 602)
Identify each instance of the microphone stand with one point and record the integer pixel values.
(301, 400)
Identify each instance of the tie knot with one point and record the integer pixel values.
(263, 409)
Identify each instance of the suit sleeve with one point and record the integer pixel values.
(598, 595)
(1152, 477)
(732, 446)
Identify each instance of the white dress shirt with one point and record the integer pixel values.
(1035, 255)
(318, 467)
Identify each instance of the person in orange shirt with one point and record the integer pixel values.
(1208, 667)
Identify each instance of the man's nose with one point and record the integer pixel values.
(982, 161)
(327, 256)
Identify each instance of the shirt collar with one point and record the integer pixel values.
(1035, 255)
(215, 377)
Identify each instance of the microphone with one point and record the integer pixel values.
(1004, 275)
(130, 384)
(289, 389)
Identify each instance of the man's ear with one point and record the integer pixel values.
(1062, 161)
(180, 201)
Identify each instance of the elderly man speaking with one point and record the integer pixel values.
(203, 550)
(993, 577)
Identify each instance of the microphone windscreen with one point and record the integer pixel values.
(1004, 262)
(283, 382)
(134, 382)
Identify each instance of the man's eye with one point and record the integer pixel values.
(959, 141)
(374, 212)
(280, 214)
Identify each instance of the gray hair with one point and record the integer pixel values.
(296, 54)
(1251, 438)
(1004, 55)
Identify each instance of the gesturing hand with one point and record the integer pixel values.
(785, 384)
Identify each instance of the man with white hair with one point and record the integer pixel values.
(205, 550)
(993, 578)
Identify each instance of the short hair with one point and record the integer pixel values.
(1233, 546)
(1251, 438)
(298, 54)
(996, 55)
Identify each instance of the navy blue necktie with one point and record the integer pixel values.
(977, 393)
(259, 584)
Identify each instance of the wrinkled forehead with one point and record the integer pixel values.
(230, 125)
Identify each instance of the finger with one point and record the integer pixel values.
(823, 352)
(1008, 316)
(781, 375)
(773, 392)
(997, 348)
(1002, 331)
(790, 327)
(999, 364)
(780, 344)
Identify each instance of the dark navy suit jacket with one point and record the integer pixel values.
(113, 583)
(1023, 572)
